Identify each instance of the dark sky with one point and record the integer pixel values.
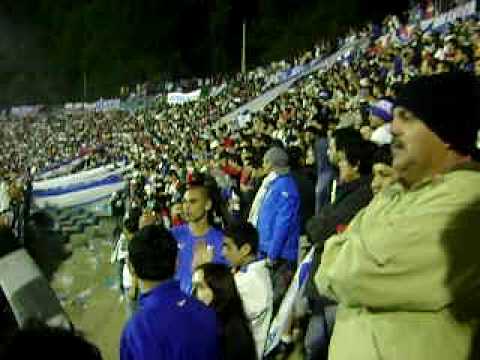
(47, 45)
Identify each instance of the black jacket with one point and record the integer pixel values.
(351, 198)
(306, 189)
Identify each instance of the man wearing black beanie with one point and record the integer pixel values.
(406, 272)
(436, 125)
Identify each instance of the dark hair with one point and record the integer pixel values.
(236, 335)
(383, 155)
(131, 224)
(153, 253)
(214, 193)
(243, 233)
(295, 154)
(277, 143)
(358, 151)
(49, 343)
(8, 242)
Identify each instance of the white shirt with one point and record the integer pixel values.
(255, 288)
(127, 278)
(4, 196)
(382, 135)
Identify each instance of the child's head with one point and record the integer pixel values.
(240, 243)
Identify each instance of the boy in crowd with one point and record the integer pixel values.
(252, 279)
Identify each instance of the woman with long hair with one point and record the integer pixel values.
(215, 286)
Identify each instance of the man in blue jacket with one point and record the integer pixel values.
(276, 215)
(167, 323)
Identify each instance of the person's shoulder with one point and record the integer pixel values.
(462, 184)
(467, 173)
(287, 187)
(216, 231)
(256, 275)
(180, 230)
(194, 312)
(132, 326)
(283, 181)
(196, 305)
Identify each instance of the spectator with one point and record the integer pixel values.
(120, 252)
(353, 193)
(252, 278)
(177, 215)
(381, 116)
(305, 185)
(162, 326)
(325, 171)
(129, 286)
(383, 173)
(276, 215)
(48, 343)
(215, 287)
(197, 235)
(396, 275)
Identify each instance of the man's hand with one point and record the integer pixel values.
(203, 254)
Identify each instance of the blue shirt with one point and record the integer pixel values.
(170, 325)
(186, 246)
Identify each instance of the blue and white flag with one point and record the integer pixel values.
(294, 293)
(59, 169)
(79, 189)
(80, 177)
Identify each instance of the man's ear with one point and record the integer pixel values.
(208, 205)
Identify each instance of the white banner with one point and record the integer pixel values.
(182, 98)
(459, 12)
(216, 90)
(23, 111)
(75, 107)
(107, 105)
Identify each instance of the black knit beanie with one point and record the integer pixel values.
(449, 104)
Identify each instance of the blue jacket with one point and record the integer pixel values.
(186, 246)
(279, 220)
(166, 328)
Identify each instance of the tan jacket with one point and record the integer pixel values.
(396, 272)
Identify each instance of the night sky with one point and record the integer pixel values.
(47, 45)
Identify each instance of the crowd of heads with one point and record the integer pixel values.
(187, 163)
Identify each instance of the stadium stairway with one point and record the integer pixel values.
(73, 221)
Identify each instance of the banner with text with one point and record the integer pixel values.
(183, 98)
(462, 11)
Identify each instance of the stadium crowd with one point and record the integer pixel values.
(372, 162)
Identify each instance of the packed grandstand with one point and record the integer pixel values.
(296, 149)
